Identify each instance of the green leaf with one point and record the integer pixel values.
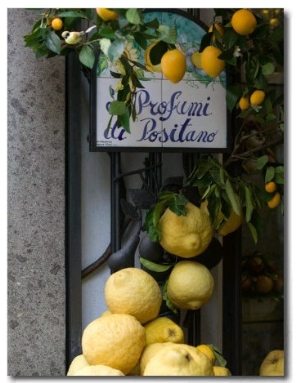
(166, 298)
(133, 16)
(117, 108)
(268, 69)
(177, 204)
(249, 203)
(218, 354)
(53, 42)
(270, 173)
(233, 94)
(233, 198)
(279, 175)
(116, 49)
(154, 266)
(140, 39)
(167, 34)
(87, 56)
(123, 120)
(230, 38)
(262, 161)
(253, 232)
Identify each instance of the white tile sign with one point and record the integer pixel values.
(189, 114)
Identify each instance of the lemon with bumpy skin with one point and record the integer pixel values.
(115, 340)
(98, 370)
(179, 360)
(221, 371)
(133, 291)
(149, 352)
(186, 235)
(163, 329)
(77, 364)
(207, 350)
(190, 285)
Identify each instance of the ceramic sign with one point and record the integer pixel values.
(190, 114)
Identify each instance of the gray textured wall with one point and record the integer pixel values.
(36, 206)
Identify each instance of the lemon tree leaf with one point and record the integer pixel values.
(249, 203)
(232, 196)
(152, 266)
(279, 175)
(165, 296)
(133, 16)
(53, 42)
(87, 56)
(253, 231)
(218, 354)
(116, 49)
(270, 173)
(261, 161)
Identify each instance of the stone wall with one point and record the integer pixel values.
(36, 206)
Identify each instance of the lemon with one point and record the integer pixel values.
(77, 364)
(98, 370)
(244, 103)
(221, 371)
(257, 97)
(275, 201)
(57, 24)
(163, 329)
(207, 350)
(133, 291)
(219, 28)
(173, 65)
(270, 187)
(189, 235)
(116, 340)
(153, 62)
(243, 22)
(149, 352)
(196, 59)
(210, 62)
(233, 222)
(190, 285)
(179, 360)
(106, 14)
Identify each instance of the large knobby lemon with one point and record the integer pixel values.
(208, 351)
(98, 370)
(115, 340)
(210, 62)
(190, 285)
(133, 291)
(243, 22)
(186, 235)
(173, 65)
(163, 329)
(77, 364)
(179, 360)
(149, 352)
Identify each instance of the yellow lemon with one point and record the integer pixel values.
(153, 60)
(219, 28)
(149, 351)
(275, 201)
(163, 329)
(115, 340)
(190, 285)
(257, 97)
(57, 24)
(133, 291)
(98, 370)
(179, 360)
(173, 65)
(189, 235)
(77, 364)
(196, 59)
(233, 222)
(270, 187)
(207, 350)
(243, 22)
(221, 371)
(210, 62)
(106, 14)
(244, 103)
